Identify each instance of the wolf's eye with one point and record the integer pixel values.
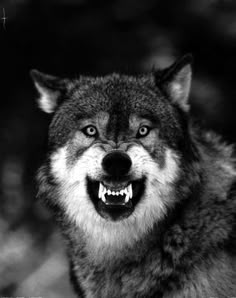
(143, 131)
(90, 131)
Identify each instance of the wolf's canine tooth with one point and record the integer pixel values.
(103, 194)
(100, 190)
(130, 191)
(127, 198)
(103, 197)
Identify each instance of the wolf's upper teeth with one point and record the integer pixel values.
(100, 190)
(103, 194)
(103, 197)
(130, 190)
(127, 198)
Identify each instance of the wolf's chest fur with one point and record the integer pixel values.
(145, 200)
(189, 256)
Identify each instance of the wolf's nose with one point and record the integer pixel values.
(116, 163)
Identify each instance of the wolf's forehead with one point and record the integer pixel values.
(110, 107)
(115, 95)
(104, 119)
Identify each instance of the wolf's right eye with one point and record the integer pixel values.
(143, 131)
(90, 131)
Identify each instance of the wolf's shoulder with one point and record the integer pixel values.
(210, 221)
(217, 160)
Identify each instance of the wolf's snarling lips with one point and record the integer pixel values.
(115, 200)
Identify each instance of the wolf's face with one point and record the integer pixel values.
(116, 148)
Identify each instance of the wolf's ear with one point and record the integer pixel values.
(176, 81)
(50, 89)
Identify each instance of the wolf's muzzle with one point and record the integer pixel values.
(116, 163)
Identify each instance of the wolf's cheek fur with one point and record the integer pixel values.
(71, 179)
(70, 172)
(159, 181)
(80, 210)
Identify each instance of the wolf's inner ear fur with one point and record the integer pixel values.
(176, 81)
(49, 88)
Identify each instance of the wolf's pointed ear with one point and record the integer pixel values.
(50, 89)
(176, 81)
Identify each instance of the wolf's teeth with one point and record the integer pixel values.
(130, 191)
(100, 190)
(103, 197)
(103, 194)
(127, 198)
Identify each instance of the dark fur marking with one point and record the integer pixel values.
(77, 288)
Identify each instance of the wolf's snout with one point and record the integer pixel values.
(116, 163)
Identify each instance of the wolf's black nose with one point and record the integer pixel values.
(116, 163)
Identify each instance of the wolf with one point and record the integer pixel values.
(145, 198)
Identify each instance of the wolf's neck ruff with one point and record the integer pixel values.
(145, 200)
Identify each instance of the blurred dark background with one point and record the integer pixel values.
(72, 37)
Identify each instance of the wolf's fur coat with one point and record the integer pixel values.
(180, 241)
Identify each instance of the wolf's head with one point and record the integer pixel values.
(120, 152)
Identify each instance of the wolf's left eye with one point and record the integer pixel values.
(143, 131)
(90, 131)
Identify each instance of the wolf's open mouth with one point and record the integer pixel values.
(115, 200)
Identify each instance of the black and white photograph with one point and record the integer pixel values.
(117, 156)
